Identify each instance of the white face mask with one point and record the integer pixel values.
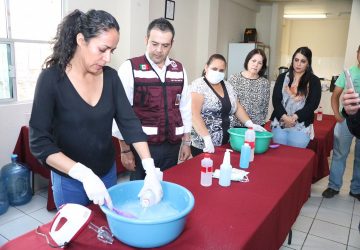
(214, 77)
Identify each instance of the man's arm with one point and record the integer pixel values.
(185, 105)
(335, 97)
(127, 80)
(185, 111)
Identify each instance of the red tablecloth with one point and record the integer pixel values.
(22, 149)
(253, 215)
(322, 145)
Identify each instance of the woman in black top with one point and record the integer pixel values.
(296, 96)
(76, 99)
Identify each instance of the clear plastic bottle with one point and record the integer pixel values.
(245, 155)
(206, 171)
(225, 170)
(319, 114)
(250, 139)
(147, 199)
(17, 182)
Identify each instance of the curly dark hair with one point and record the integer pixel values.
(89, 24)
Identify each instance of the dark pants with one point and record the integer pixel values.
(165, 155)
(195, 151)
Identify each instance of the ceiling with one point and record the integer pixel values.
(333, 8)
(267, 1)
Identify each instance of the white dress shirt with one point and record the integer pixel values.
(126, 76)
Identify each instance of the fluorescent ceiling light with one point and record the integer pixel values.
(304, 16)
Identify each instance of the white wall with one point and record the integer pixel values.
(353, 40)
(269, 26)
(12, 116)
(263, 21)
(207, 32)
(234, 18)
(184, 47)
(320, 36)
(120, 10)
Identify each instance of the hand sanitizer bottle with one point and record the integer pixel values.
(225, 170)
(250, 139)
(147, 199)
(206, 171)
(245, 155)
(319, 114)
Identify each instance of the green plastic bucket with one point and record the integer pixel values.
(262, 139)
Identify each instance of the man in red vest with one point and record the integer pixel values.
(157, 88)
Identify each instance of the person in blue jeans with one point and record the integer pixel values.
(343, 139)
(296, 95)
(351, 103)
(76, 99)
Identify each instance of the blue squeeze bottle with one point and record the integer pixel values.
(245, 155)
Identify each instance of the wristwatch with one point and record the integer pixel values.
(186, 143)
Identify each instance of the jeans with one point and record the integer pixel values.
(342, 142)
(69, 190)
(290, 137)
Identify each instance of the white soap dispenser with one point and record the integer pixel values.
(225, 170)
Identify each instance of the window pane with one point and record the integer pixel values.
(2, 20)
(29, 58)
(5, 83)
(42, 18)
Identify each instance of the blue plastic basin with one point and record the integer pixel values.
(148, 233)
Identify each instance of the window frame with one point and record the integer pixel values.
(11, 41)
(12, 79)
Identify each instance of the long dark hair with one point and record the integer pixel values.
(212, 58)
(90, 24)
(305, 78)
(251, 54)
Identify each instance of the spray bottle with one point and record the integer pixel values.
(225, 170)
(206, 171)
(250, 139)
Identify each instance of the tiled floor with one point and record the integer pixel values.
(328, 223)
(322, 224)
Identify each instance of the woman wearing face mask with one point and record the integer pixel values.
(296, 95)
(214, 105)
(252, 88)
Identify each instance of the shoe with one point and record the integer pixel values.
(357, 196)
(329, 193)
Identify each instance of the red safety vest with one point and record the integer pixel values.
(156, 103)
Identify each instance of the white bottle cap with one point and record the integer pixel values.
(145, 202)
(226, 159)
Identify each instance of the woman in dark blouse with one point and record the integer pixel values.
(296, 96)
(76, 99)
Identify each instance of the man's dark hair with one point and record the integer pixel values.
(161, 24)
